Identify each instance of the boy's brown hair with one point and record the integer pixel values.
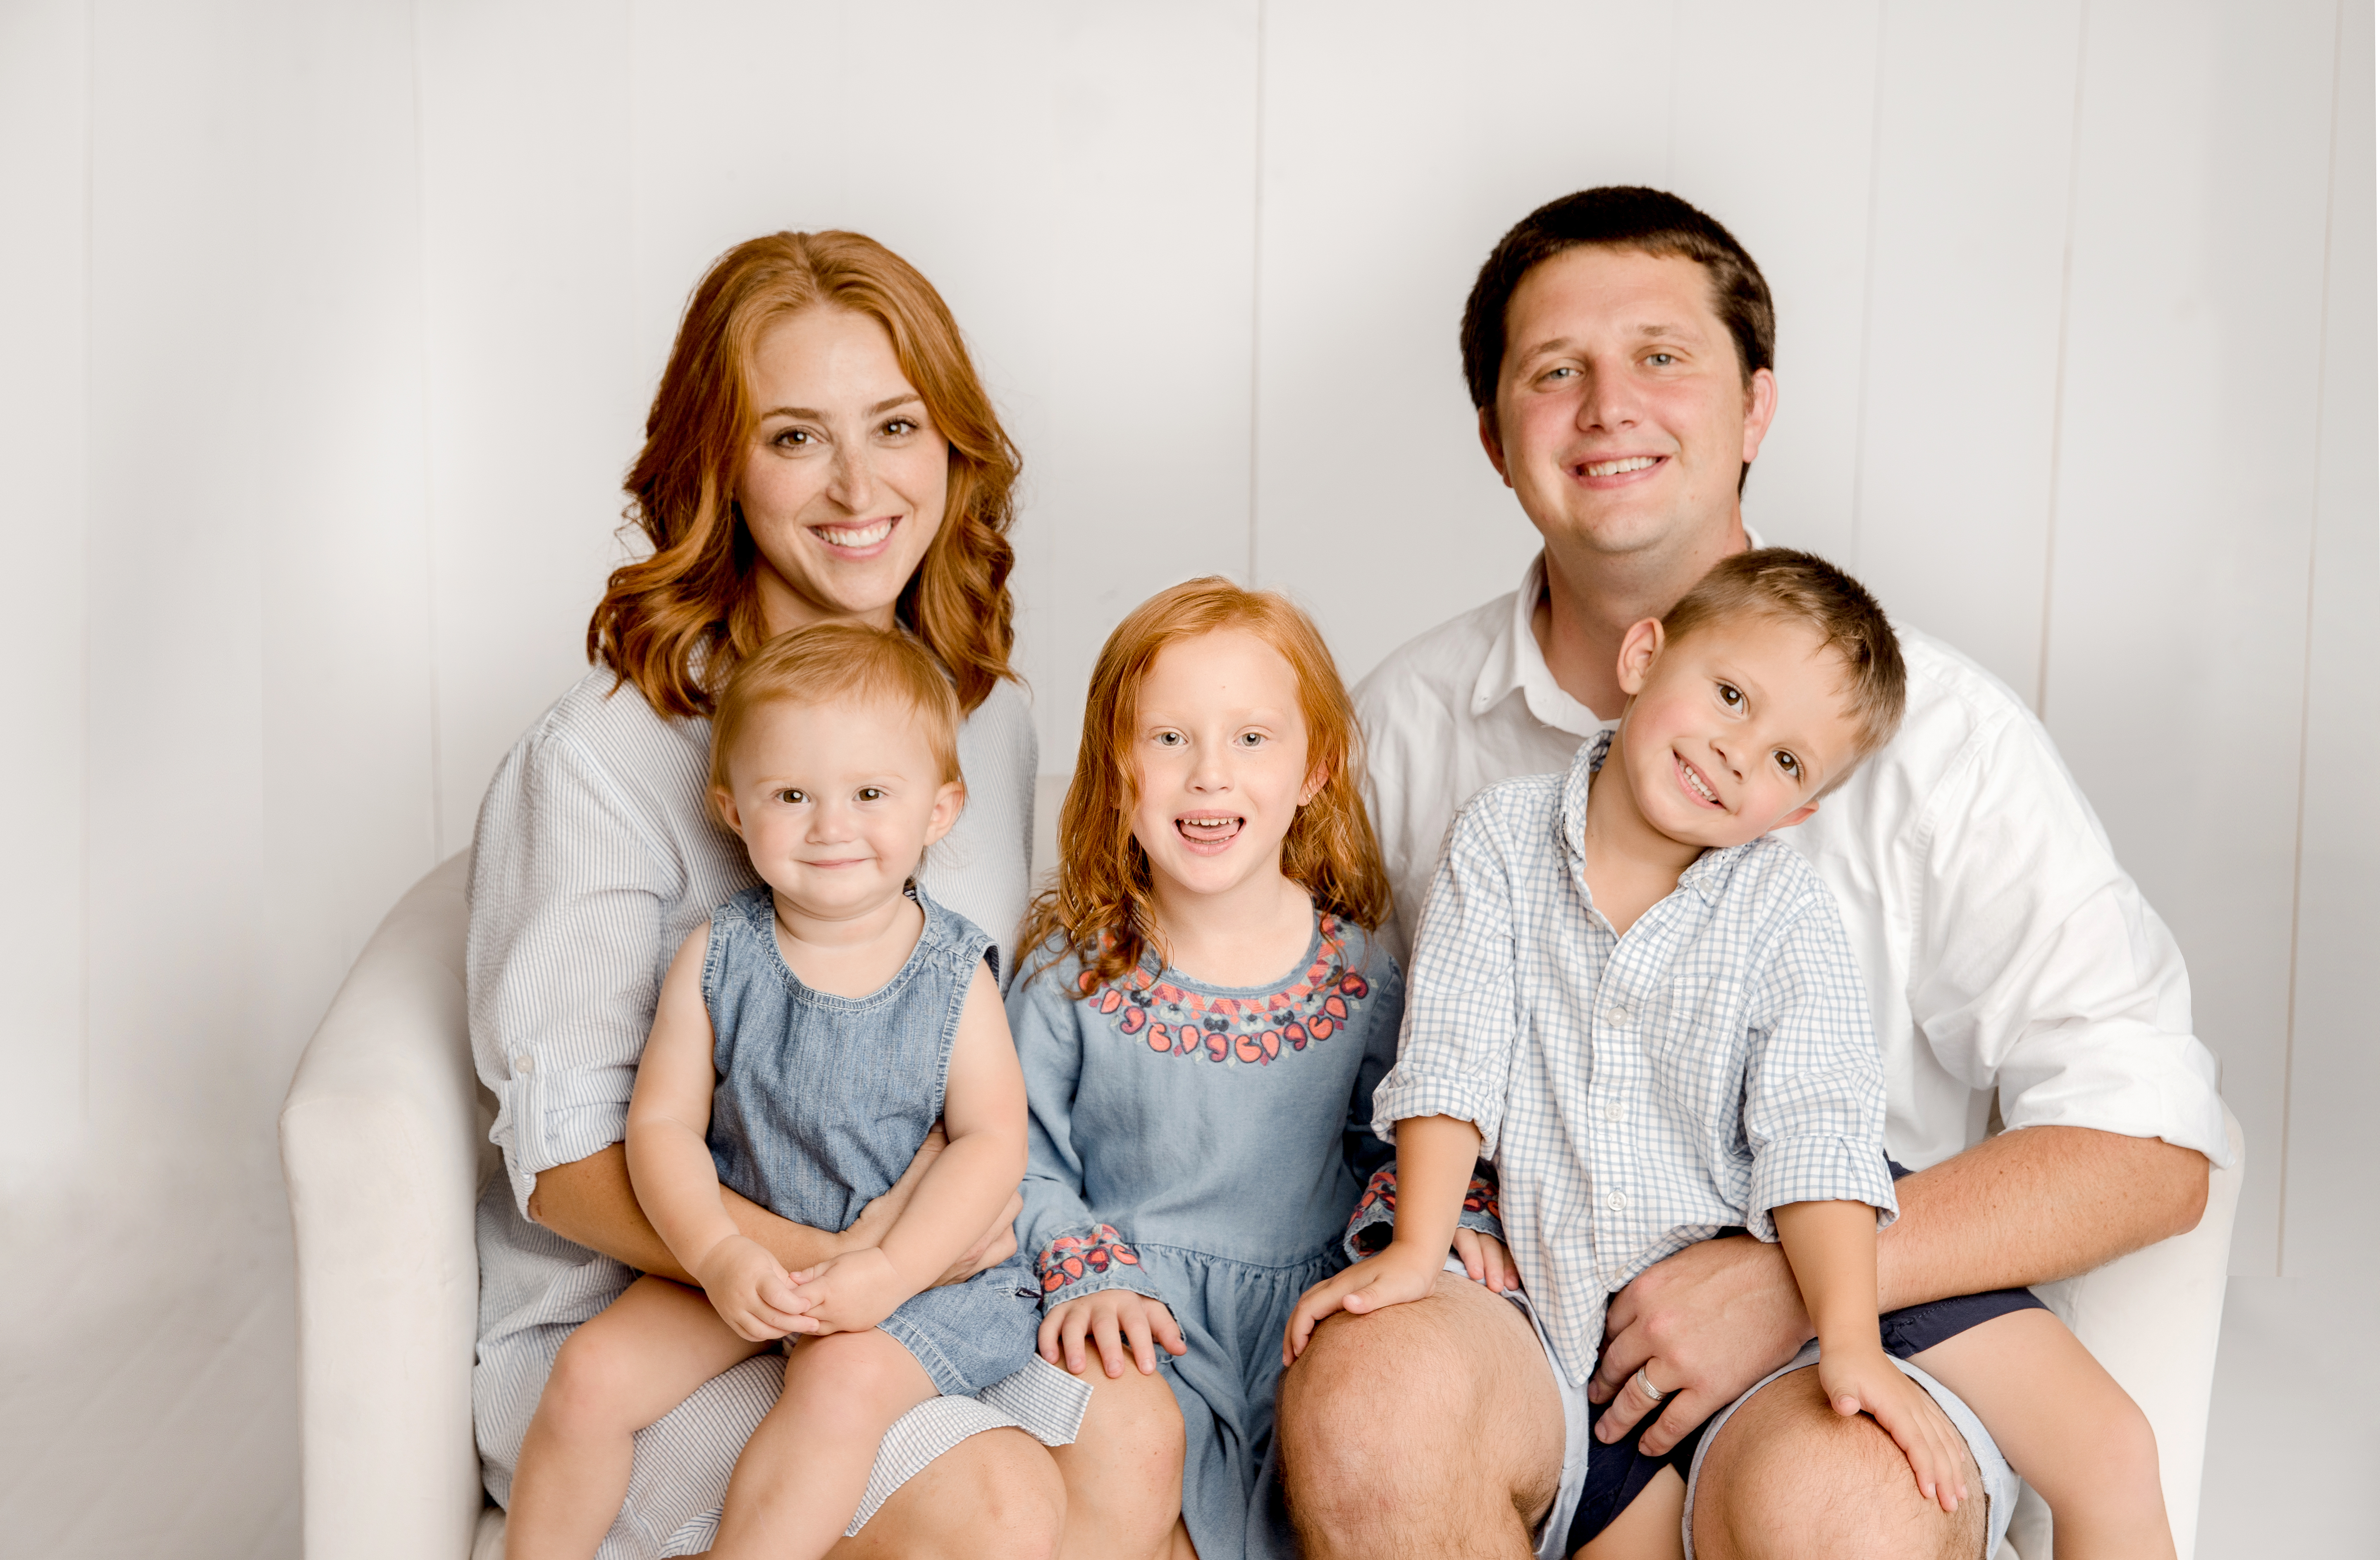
(1801, 588)
(831, 662)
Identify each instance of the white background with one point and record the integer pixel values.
(326, 331)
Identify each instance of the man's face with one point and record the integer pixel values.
(1622, 418)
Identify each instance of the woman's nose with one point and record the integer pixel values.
(852, 484)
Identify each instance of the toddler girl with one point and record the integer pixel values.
(806, 1043)
(1202, 1016)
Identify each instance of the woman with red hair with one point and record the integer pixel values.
(819, 449)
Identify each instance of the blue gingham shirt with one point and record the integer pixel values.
(1638, 1094)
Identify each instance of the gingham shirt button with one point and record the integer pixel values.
(1618, 1015)
(1617, 1202)
(1614, 1111)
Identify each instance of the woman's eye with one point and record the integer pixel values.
(790, 797)
(1729, 695)
(872, 793)
(899, 425)
(793, 437)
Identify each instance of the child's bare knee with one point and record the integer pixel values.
(591, 1382)
(864, 1369)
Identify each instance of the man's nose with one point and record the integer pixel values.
(1609, 403)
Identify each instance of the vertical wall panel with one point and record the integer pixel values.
(2331, 1221)
(537, 398)
(1396, 153)
(44, 167)
(1975, 146)
(2186, 493)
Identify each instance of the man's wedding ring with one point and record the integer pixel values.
(1645, 1386)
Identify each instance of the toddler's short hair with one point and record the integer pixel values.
(1801, 588)
(832, 661)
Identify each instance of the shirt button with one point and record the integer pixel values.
(524, 1063)
(1617, 1202)
(1618, 1015)
(1615, 1112)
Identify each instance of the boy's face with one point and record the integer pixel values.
(1734, 729)
(837, 802)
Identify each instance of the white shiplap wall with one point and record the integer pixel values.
(326, 331)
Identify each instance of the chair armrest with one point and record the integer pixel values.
(381, 1136)
(2153, 1319)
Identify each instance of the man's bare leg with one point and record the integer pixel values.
(1123, 1472)
(1787, 1478)
(995, 1494)
(1430, 1429)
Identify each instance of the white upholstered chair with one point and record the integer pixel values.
(384, 1148)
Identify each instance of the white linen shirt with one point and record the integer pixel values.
(2004, 949)
(1637, 1093)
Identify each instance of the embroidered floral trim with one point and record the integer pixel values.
(1173, 1022)
(1069, 1259)
(1381, 1192)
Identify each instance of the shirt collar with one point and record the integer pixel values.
(1515, 664)
(1703, 875)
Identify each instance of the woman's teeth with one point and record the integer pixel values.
(855, 536)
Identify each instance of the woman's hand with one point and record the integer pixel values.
(1486, 1260)
(1396, 1275)
(1863, 1380)
(1115, 1320)
(752, 1293)
(850, 1293)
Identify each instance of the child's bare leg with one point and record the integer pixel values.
(801, 1475)
(2067, 1429)
(628, 1365)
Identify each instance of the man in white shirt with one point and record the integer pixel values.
(1617, 345)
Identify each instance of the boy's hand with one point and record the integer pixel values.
(852, 1292)
(750, 1291)
(1486, 1260)
(1114, 1319)
(1864, 1379)
(1396, 1275)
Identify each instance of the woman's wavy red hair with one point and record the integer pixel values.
(676, 622)
(1100, 908)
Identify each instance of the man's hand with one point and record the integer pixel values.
(1863, 1381)
(752, 1293)
(1114, 1319)
(1400, 1274)
(1486, 1261)
(850, 1293)
(1711, 1321)
(876, 1220)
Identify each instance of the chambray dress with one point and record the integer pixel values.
(1204, 1145)
(824, 1100)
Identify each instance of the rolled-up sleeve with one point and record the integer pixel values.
(1462, 1010)
(2040, 970)
(565, 954)
(1813, 1096)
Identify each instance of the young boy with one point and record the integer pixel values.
(1642, 1009)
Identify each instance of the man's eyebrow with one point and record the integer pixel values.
(815, 416)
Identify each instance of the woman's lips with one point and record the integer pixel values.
(858, 540)
(1208, 834)
(1698, 789)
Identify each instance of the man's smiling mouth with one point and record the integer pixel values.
(1620, 468)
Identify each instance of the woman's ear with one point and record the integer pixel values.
(949, 801)
(1639, 649)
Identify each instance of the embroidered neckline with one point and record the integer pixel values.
(1173, 1019)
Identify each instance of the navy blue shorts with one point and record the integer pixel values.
(1617, 1474)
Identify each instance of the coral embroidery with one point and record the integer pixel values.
(1173, 1022)
(1480, 1198)
(1069, 1259)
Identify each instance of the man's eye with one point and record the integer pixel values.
(1729, 695)
(872, 793)
(790, 797)
(1659, 360)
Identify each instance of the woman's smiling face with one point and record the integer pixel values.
(845, 478)
(1219, 752)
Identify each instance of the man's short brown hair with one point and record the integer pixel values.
(1801, 588)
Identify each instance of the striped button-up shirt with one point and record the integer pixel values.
(1637, 1093)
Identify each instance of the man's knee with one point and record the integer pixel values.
(1788, 1478)
(1000, 1499)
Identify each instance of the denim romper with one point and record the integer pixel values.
(822, 1101)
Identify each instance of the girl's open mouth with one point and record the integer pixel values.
(1209, 833)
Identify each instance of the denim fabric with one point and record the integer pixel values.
(824, 1100)
(1204, 1145)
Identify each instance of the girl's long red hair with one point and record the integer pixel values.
(676, 622)
(1100, 908)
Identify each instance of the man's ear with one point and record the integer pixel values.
(1493, 442)
(724, 801)
(1796, 815)
(1759, 411)
(949, 801)
(1639, 649)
